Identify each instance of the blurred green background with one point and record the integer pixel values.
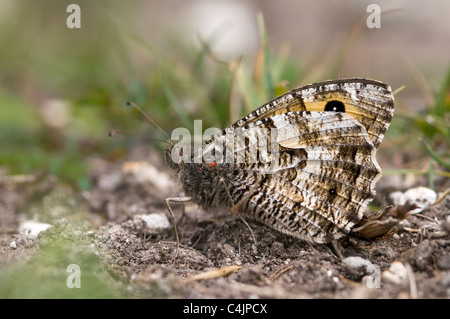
(62, 89)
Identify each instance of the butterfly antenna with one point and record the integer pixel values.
(149, 118)
(114, 132)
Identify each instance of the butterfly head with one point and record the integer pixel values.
(179, 161)
(199, 180)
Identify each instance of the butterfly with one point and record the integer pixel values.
(323, 138)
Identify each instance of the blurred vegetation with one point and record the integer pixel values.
(91, 74)
(93, 71)
(425, 136)
(45, 275)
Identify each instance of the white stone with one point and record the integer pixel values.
(13, 245)
(156, 222)
(396, 273)
(356, 262)
(420, 196)
(110, 182)
(33, 228)
(144, 172)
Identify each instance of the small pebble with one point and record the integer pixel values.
(110, 182)
(13, 245)
(155, 223)
(144, 172)
(356, 262)
(33, 228)
(396, 273)
(421, 196)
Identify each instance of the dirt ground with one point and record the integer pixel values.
(124, 220)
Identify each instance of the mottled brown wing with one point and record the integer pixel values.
(370, 102)
(326, 176)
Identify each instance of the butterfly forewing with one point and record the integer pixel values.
(370, 102)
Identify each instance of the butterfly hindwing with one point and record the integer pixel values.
(325, 177)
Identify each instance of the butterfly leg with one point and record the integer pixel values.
(235, 209)
(172, 215)
(336, 248)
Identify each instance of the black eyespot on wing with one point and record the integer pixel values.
(332, 194)
(335, 106)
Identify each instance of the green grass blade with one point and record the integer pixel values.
(442, 105)
(267, 70)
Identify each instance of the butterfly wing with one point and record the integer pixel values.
(325, 176)
(370, 102)
(327, 137)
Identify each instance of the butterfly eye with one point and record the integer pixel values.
(213, 164)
